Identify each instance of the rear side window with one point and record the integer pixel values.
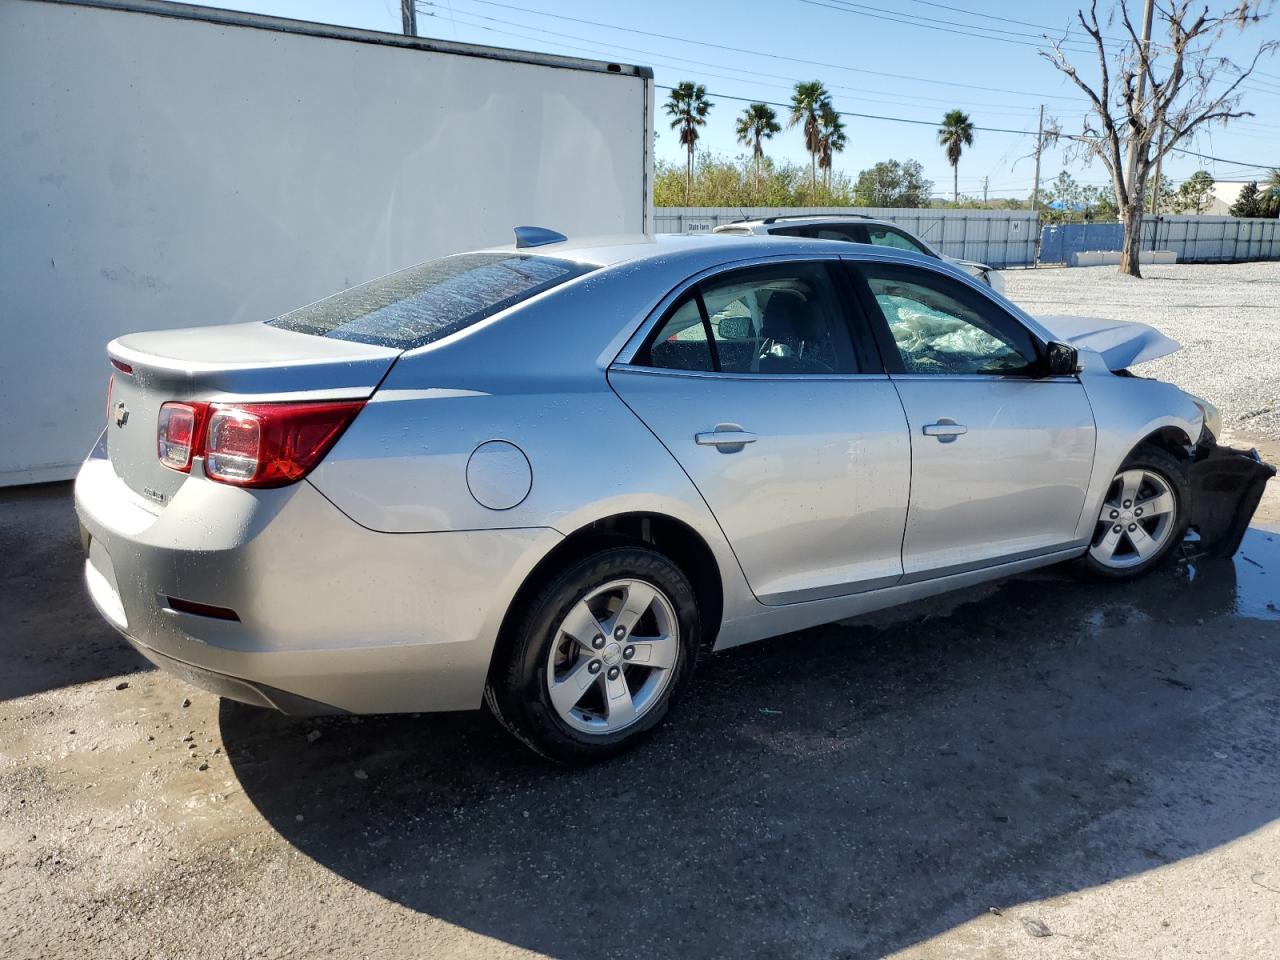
(833, 231)
(781, 319)
(430, 301)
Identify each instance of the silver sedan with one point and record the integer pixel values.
(550, 476)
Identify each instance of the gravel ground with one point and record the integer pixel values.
(1226, 316)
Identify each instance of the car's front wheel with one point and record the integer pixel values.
(597, 656)
(1143, 518)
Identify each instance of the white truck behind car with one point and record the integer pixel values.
(167, 165)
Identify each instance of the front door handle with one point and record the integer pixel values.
(726, 437)
(946, 430)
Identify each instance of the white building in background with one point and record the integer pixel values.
(1225, 193)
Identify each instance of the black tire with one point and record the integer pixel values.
(517, 692)
(1175, 474)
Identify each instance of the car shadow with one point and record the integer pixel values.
(50, 634)
(848, 791)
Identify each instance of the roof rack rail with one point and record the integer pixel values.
(815, 216)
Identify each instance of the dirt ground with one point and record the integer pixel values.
(1039, 768)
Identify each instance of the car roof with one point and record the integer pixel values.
(697, 252)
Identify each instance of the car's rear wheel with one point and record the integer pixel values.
(597, 656)
(1143, 517)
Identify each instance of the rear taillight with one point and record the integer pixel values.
(272, 444)
(255, 444)
(178, 434)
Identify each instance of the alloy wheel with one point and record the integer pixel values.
(1136, 521)
(612, 656)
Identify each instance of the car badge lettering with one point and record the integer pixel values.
(122, 414)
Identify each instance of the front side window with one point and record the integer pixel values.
(432, 300)
(888, 237)
(939, 326)
(784, 319)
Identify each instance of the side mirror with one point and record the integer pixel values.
(1061, 360)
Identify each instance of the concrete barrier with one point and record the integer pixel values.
(1101, 258)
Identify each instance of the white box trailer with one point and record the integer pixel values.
(164, 165)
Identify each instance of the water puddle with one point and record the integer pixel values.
(1247, 585)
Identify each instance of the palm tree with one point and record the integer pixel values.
(757, 124)
(1271, 187)
(806, 102)
(688, 107)
(955, 134)
(831, 139)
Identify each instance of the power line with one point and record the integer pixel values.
(999, 109)
(862, 116)
(1234, 163)
(992, 16)
(931, 23)
(773, 56)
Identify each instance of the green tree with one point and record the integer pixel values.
(954, 135)
(806, 105)
(1167, 195)
(1064, 196)
(1098, 203)
(688, 107)
(1248, 203)
(893, 184)
(832, 139)
(1269, 194)
(757, 124)
(721, 182)
(1195, 194)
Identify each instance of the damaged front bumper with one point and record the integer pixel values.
(1226, 485)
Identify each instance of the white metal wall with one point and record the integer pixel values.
(1000, 238)
(1213, 239)
(162, 170)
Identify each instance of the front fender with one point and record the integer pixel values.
(1127, 410)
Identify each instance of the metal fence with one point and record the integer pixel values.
(1001, 238)
(1193, 239)
(1008, 238)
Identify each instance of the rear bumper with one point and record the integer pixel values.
(1226, 485)
(235, 688)
(331, 616)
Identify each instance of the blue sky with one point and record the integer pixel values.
(976, 55)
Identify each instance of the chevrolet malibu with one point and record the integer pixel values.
(548, 477)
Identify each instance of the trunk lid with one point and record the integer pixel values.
(241, 362)
(1123, 344)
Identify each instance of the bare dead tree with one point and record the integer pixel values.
(1172, 84)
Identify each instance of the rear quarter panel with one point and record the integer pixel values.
(535, 378)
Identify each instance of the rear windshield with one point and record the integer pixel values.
(430, 301)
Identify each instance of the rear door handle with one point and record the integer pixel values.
(946, 430)
(726, 437)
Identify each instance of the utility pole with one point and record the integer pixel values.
(1035, 192)
(1155, 190)
(1131, 160)
(984, 190)
(409, 15)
